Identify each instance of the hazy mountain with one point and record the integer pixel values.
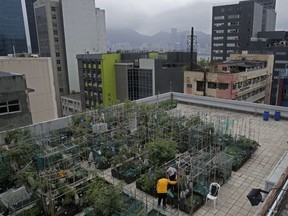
(128, 39)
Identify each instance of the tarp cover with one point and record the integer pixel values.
(14, 196)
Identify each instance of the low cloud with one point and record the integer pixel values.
(150, 16)
(182, 19)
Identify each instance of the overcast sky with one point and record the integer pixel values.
(152, 16)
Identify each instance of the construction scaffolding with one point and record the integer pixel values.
(130, 143)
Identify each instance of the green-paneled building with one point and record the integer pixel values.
(97, 79)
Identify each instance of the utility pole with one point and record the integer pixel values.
(192, 47)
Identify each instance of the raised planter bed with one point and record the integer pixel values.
(130, 171)
(191, 204)
(241, 151)
(155, 213)
(148, 181)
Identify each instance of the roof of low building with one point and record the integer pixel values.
(7, 74)
(75, 96)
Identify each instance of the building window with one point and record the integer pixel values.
(55, 32)
(233, 38)
(218, 17)
(58, 61)
(9, 107)
(281, 53)
(218, 38)
(217, 58)
(189, 85)
(212, 85)
(61, 90)
(230, 51)
(218, 24)
(234, 16)
(219, 31)
(218, 51)
(224, 68)
(53, 16)
(218, 44)
(57, 54)
(53, 9)
(234, 23)
(279, 69)
(58, 68)
(233, 31)
(230, 44)
(56, 39)
(200, 86)
(54, 24)
(223, 86)
(281, 61)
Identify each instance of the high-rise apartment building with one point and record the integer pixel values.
(32, 25)
(233, 26)
(85, 31)
(51, 42)
(12, 30)
(274, 42)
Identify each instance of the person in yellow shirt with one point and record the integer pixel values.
(162, 186)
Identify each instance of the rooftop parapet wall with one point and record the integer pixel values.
(237, 106)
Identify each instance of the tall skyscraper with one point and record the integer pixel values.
(233, 26)
(12, 30)
(51, 42)
(32, 25)
(85, 31)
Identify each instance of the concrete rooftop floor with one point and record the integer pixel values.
(271, 135)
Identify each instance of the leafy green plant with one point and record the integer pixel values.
(161, 150)
(239, 156)
(69, 197)
(34, 211)
(105, 199)
(147, 182)
(191, 204)
(248, 144)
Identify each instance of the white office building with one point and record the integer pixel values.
(85, 32)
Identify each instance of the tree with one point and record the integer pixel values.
(203, 64)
